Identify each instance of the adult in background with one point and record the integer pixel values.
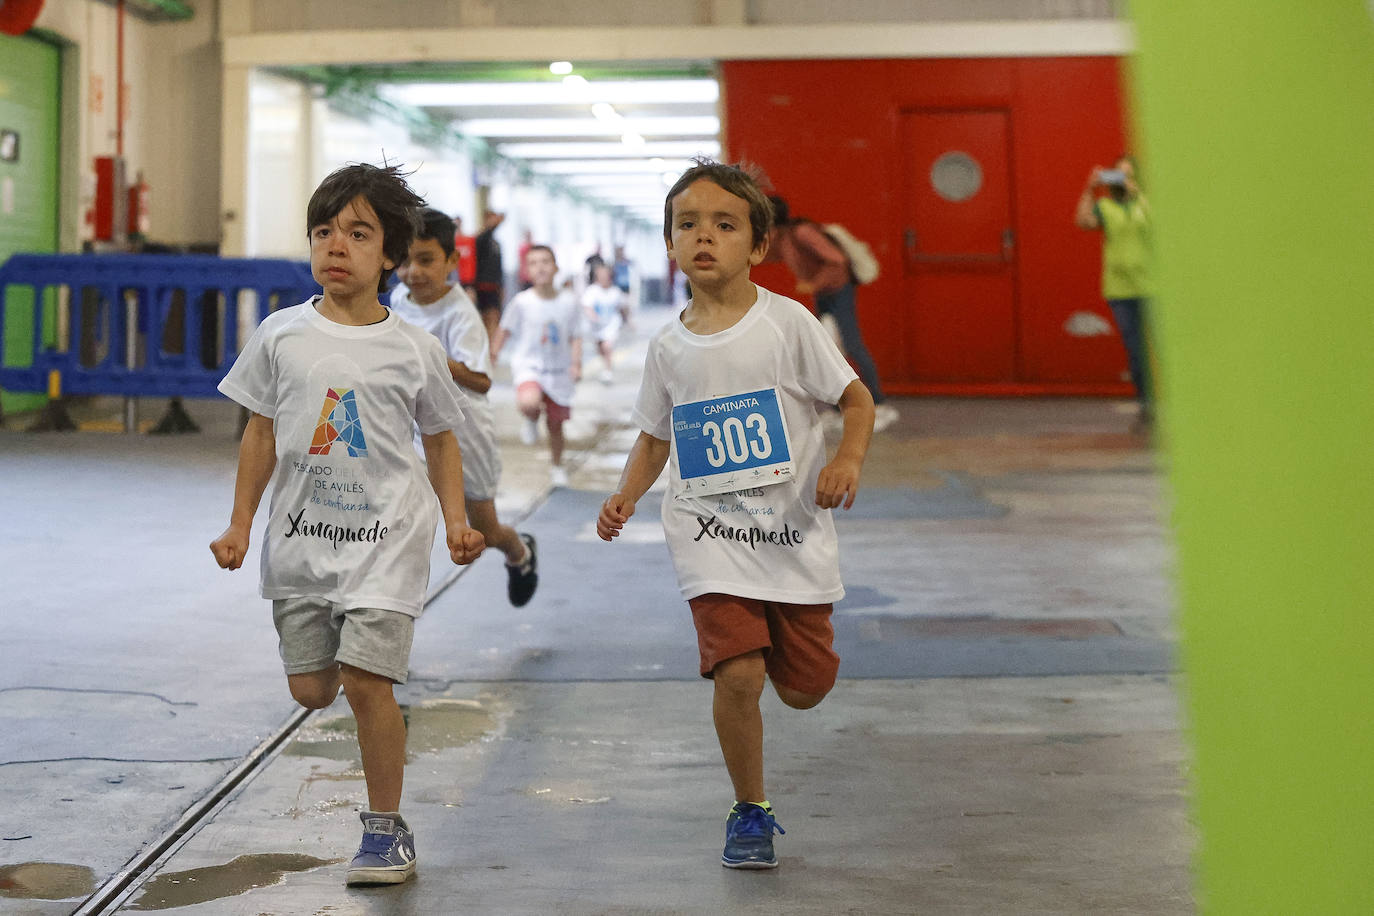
(491, 275)
(1123, 217)
(822, 270)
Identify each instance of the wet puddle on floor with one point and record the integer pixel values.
(46, 881)
(198, 885)
(432, 725)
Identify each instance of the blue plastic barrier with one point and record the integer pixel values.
(200, 293)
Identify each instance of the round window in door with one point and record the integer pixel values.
(956, 176)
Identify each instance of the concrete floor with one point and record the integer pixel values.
(1004, 738)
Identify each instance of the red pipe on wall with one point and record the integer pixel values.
(119, 80)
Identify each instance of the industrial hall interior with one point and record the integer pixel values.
(716, 457)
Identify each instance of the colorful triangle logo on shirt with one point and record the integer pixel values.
(339, 422)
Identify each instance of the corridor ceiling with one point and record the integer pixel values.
(616, 136)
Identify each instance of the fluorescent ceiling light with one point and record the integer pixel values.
(560, 67)
(605, 111)
(609, 166)
(505, 95)
(590, 127)
(610, 150)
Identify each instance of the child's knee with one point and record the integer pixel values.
(365, 688)
(741, 676)
(798, 699)
(316, 690)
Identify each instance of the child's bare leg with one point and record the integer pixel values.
(381, 735)
(491, 320)
(739, 722)
(315, 689)
(555, 440)
(529, 400)
(606, 350)
(482, 516)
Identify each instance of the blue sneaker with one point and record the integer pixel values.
(749, 837)
(387, 855)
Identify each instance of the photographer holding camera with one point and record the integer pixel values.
(1123, 217)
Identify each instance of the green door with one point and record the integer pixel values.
(29, 108)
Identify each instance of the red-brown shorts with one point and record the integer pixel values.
(558, 413)
(797, 639)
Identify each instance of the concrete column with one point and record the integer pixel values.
(233, 173)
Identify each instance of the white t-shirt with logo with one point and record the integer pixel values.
(542, 331)
(767, 542)
(454, 320)
(352, 515)
(602, 306)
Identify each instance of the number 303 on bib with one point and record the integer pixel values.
(730, 443)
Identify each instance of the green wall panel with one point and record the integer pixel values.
(1258, 125)
(29, 118)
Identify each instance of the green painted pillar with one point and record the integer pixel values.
(1257, 122)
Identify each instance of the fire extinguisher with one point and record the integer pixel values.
(18, 16)
(139, 221)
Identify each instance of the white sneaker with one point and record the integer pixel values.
(884, 415)
(529, 431)
(559, 476)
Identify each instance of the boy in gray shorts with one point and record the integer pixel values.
(335, 385)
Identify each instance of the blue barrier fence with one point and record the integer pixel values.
(145, 325)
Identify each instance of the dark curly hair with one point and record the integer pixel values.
(386, 191)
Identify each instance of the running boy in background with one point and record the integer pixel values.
(427, 300)
(605, 308)
(729, 398)
(336, 386)
(546, 356)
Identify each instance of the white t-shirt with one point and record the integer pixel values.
(602, 310)
(542, 331)
(353, 514)
(454, 320)
(772, 542)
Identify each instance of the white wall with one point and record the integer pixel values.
(171, 118)
(295, 140)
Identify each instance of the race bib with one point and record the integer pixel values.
(731, 443)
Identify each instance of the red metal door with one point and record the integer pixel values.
(959, 250)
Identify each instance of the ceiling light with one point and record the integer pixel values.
(604, 111)
(632, 139)
(560, 67)
(508, 95)
(574, 81)
(579, 126)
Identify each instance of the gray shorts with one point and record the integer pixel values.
(316, 633)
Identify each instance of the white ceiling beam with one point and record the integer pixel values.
(733, 42)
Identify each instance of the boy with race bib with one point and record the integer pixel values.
(729, 402)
